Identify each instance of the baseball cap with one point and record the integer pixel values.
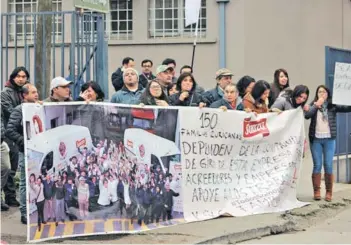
(223, 72)
(58, 82)
(163, 68)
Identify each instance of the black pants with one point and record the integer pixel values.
(10, 186)
(167, 213)
(40, 207)
(157, 210)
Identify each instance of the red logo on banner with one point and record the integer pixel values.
(142, 150)
(253, 128)
(80, 143)
(62, 149)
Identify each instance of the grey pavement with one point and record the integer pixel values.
(220, 230)
(335, 230)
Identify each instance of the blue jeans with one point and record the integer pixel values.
(22, 185)
(322, 153)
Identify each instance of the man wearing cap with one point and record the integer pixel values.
(131, 91)
(164, 75)
(60, 90)
(223, 78)
(14, 132)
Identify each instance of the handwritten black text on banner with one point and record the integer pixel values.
(239, 165)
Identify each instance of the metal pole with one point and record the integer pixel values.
(222, 33)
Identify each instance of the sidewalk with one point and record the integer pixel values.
(221, 230)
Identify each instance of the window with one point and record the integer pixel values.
(54, 122)
(19, 25)
(167, 19)
(118, 23)
(28, 130)
(48, 163)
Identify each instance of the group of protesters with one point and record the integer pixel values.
(165, 89)
(107, 181)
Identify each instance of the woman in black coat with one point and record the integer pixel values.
(154, 94)
(322, 134)
(187, 96)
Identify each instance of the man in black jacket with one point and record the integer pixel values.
(117, 76)
(11, 96)
(146, 75)
(223, 78)
(14, 132)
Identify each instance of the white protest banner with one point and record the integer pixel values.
(125, 169)
(342, 84)
(238, 165)
(192, 11)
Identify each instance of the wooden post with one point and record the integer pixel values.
(43, 50)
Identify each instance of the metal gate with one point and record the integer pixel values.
(76, 38)
(343, 140)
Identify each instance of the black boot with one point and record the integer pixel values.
(12, 202)
(24, 220)
(4, 206)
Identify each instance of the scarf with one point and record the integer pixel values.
(324, 110)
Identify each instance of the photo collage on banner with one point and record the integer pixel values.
(101, 168)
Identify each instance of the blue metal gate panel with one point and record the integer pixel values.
(86, 44)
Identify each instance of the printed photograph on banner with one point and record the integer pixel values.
(238, 163)
(101, 168)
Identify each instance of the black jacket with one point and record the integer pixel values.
(11, 97)
(332, 110)
(144, 79)
(117, 79)
(168, 198)
(14, 130)
(194, 99)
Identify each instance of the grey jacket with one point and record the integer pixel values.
(283, 104)
(125, 96)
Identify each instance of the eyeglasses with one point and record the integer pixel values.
(147, 66)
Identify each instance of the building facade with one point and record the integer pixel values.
(260, 35)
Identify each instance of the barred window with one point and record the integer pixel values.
(167, 19)
(118, 23)
(19, 25)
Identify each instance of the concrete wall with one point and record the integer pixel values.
(262, 35)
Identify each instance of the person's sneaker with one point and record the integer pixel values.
(24, 220)
(4, 206)
(13, 202)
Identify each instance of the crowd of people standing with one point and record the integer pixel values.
(165, 89)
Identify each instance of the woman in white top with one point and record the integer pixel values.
(105, 196)
(127, 200)
(112, 186)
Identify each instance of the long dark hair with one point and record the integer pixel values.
(146, 97)
(291, 95)
(243, 83)
(16, 71)
(276, 77)
(97, 89)
(329, 98)
(260, 87)
(182, 77)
